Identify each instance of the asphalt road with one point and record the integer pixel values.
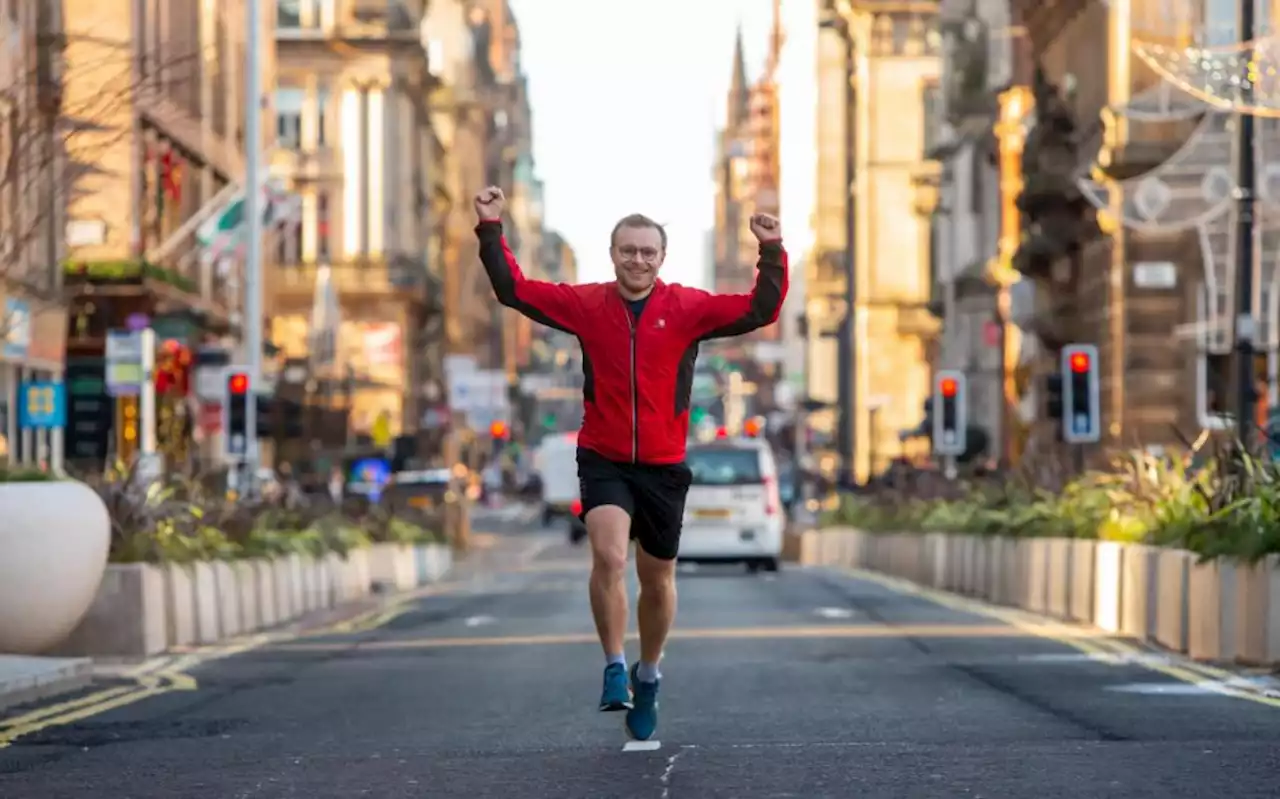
(807, 684)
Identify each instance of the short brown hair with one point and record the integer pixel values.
(637, 220)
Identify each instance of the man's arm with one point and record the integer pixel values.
(724, 315)
(552, 304)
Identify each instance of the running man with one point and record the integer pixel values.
(639, 339)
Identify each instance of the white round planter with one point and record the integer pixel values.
(54, 542)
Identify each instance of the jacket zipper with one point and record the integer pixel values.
(635, 389)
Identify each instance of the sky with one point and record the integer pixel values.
(627, 98)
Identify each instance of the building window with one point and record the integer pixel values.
(932, 102)
(300, 14)
(322, 226)
(289, 103)
(1213, 363)
(322, 114)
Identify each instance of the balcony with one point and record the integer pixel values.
(381, 20)
(399, 277)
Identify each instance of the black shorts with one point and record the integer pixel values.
(652, 495)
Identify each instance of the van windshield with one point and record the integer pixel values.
(724, 466)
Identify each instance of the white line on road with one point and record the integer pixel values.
(478, 621)
(834, 613)
(642, 746)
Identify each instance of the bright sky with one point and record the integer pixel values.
(626, 100)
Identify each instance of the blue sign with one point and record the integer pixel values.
(17, 328)
(368, 477)
(42, 405)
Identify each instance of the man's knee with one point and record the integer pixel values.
(654, 573)
(609, 530)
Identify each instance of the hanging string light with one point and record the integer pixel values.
(1243, 77)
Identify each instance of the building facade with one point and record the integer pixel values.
(354, 140)
(33, 199)
(895, 76)
(1102, 214)
(748, 177)
(154, 95)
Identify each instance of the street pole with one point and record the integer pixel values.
(847, 372)
(1246, 182)
(253, 249)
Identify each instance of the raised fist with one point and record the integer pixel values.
(489, 203)
(766, 227)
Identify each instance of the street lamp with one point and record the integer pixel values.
(833, 19)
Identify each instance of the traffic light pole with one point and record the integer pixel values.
(847, 353)
(1246, 183)
(252, 316)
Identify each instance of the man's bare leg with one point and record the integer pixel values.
(656, 609)
(609, 531)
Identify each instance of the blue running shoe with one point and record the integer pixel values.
(616, 695)
(642, 718)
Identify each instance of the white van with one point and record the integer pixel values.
(733, 513)
(556, 462)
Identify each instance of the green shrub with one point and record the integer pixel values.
(1224, 503)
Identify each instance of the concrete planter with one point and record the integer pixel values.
(265, 595)
(127, 617)
(247, 596)
(53, 553)
(1036, 578)
(1057, 571)
(282, 580)
(1097, 584)
(1211, 610)
(226, 599)
(204, 583)
(431, 562)
(1139, 593)
(180, 604)
(1173, 568)
(1253, 584)
(391, 566)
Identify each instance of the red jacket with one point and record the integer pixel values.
(638, 374)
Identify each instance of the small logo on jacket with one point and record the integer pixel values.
(662, 323)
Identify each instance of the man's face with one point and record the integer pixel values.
(637, 254)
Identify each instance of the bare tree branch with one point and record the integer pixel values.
(51, 140)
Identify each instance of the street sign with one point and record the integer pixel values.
(951, 412)
(124, 363)
(42, 405)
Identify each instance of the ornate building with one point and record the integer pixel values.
(895, 99)
(353, 138)
(748, 177)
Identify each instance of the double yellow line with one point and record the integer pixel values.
(169, 675)
(1099, 646)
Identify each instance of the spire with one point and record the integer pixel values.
(739, 91)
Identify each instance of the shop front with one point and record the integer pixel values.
(34, 350)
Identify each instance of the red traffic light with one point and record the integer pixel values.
(498, 429)
(1079, 362)
(238, 383)
(949, 387)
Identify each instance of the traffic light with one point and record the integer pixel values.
(697, 414)
(950, 413)
(236, 404)
(1053, 396)
(266, 413)
(498, 430)
(752, 427)
(1081, 404)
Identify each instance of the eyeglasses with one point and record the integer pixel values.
(632, 253)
